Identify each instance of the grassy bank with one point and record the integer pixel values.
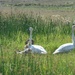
(13, 34)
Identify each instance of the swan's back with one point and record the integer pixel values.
(38, 49)
(64, 48)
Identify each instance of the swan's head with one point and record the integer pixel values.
(73, 26)
(30, 29)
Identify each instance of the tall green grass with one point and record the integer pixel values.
(13, 34)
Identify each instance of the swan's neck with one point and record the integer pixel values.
(30, 39)
(73, 38)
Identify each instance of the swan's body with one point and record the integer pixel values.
(38, 49)
(64, 48)
(68, 46)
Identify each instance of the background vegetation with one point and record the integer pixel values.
(49, 31)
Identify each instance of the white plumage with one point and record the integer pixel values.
(68, 46)
(38, 49)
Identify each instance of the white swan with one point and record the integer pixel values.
(68, 46)
(30, 48)
(34, 48)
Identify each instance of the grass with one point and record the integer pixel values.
(13, 34)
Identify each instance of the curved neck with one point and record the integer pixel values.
(30, 39)
(73, 38)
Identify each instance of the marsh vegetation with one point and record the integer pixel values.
(48, 32)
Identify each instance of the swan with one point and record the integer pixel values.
(34, 48)
(31, 48)
(68, 46)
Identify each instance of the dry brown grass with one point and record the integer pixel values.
(43, 12)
